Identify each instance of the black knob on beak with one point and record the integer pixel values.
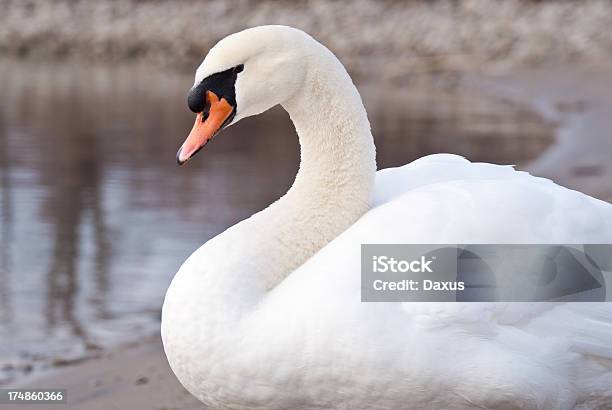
(196, 98)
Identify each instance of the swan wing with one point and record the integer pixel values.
(448, 200)
(544, 355)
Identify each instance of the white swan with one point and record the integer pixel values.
(268, 313)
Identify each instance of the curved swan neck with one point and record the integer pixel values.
(334, 184)
(336, 146)
(332, 189)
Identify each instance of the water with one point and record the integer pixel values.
(96, 216)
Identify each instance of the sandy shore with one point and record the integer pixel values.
(139, 377)
(136, 377)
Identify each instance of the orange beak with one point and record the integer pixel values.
(207, 124)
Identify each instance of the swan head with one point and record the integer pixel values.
(244, 74)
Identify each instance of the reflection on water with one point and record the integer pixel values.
(96, 217)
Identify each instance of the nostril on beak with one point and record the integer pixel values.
(206, 109)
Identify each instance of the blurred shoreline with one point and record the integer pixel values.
(574, 100)
(388, 39)
(138, 376)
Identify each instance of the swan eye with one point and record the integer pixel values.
(239, 68)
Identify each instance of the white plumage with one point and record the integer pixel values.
(268, 313)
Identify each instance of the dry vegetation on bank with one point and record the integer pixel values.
(387, 38)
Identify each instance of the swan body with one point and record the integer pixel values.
(267, 315)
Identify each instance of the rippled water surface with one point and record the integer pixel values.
(95, 215)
